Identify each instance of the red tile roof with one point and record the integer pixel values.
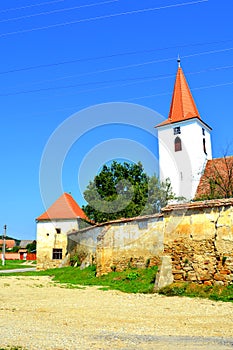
(182, 106)
(10, 243)
(64, 207)
(217, 179)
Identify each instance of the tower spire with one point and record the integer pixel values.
(178, 60)
(183, 106)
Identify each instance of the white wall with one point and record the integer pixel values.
(184, 168)
(48, 238)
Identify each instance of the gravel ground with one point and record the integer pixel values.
(36, 313)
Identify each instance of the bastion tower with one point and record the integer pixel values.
(184, 141)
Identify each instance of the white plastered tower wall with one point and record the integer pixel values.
(184, 141)
(52, 234)
(185, 167)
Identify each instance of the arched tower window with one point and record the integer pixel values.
(178, 144)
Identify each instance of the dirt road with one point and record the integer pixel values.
(35, 313)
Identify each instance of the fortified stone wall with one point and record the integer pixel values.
(84, 241)
(199, 238)
(136, 242)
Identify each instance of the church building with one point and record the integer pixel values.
(184, 141)
(185, 157)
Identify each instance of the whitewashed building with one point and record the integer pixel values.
(63, 217)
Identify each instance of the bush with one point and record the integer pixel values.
(78, 255)
(173, 290)
(31, 247)
(132, 276)
(15, 249)
(74, 260)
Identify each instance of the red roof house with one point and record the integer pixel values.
(61, 218)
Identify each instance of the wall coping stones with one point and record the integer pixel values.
(212, 203)
(122, 220)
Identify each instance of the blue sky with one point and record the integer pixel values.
(59, 57)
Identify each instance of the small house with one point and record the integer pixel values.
(64, 216)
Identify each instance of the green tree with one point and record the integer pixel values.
(15, 249)
(31, 246)
(159, 193)
(124, 190)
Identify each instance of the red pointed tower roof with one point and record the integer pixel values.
(64, 207)
(183, 106)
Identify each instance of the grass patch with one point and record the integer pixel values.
(15, 264)
(129, 281)
(223, 293)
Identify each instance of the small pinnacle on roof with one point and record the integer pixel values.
(178, 61)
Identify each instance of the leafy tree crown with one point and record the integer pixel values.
(124, 190)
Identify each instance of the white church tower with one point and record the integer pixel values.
(184, 141)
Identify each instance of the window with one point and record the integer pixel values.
(203, 131)
(204, 146)
(57, 254)
(58, 230)
(178, 145)
(177, 130)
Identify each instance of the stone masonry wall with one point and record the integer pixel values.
(199, 239)
(129, 243)
(85, 241)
